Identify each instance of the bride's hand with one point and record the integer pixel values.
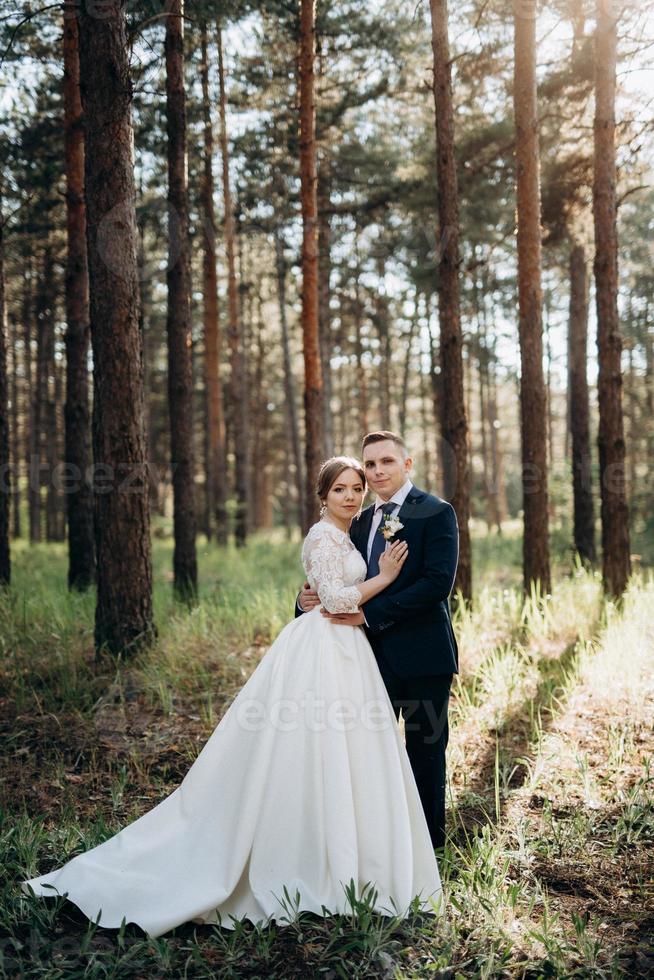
(391, 560)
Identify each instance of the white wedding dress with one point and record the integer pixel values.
(304, 783)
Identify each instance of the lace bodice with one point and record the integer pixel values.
(333, 566)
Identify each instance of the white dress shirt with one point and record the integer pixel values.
(398, 499)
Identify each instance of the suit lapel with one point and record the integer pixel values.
(407, 509)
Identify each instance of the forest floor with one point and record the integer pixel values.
(549, 867)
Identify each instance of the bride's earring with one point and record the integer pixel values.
(323, 510)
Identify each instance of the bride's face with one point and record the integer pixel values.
(345, 496)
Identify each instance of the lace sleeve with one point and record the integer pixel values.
(323, 558)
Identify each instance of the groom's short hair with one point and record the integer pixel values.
(381, 436)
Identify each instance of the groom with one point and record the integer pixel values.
(409, 624)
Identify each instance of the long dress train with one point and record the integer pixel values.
(304, 783)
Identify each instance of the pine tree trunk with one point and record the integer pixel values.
(548, 396)
(216, 462)
(123, 618)
(406, 373)
(631, 413)
(77, 416)
(497, 482)
(293, 429)
(53, 499)
(454, 420)
(5, 462)
(260, 471)
(27, 313)
(237, 389)
(60, 398)
(15, 447)
(616, 561)
(313, 381)
(285, 491)
(649, 391)
(381, 320)
(156, 447)
(362, 387)
(497, 459)
(437, 403)
(536, 559)
(483, 391)
(343, 422)
(426, 428)
(482, 372)
(45, 298)
(324, 312)
(246, 321)
(178, 321)
(584, 517)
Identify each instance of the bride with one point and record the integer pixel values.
(305, 783)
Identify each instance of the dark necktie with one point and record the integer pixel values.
(379, 541)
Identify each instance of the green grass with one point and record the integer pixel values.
(549, 864)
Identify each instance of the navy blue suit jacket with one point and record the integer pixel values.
(410, 620)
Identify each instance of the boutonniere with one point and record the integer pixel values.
(391, 526)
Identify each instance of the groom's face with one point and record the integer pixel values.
(386, 466)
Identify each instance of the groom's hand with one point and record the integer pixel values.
(344, 619)
(308, 598)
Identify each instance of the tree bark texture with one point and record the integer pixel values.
(178, 320)
(533, 421)
(77, 415)
(121, 515)
(616, 559)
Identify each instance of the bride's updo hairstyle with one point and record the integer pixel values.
(330, 471)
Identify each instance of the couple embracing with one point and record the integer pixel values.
(305, 788)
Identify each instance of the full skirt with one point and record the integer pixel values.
(304, 784)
